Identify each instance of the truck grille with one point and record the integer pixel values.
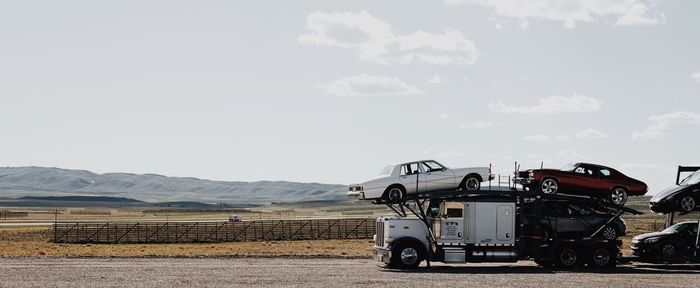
(380, 233)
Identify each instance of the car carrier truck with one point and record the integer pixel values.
(490, 225)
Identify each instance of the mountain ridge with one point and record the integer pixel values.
(51, 181)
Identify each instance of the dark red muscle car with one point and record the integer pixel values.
(583, 179)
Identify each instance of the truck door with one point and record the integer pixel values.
(452, 222)
(505, 222)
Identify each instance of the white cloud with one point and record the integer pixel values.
(364, 84)
(551, 105)
(569, 12)
(443, 116)
(591, 134)
(436, 79)
(537, 138)
(695, 76)
(478, 125)
(375, 41)
(660, 123)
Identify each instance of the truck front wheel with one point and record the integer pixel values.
(406, 256)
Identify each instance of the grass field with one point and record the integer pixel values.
(34, 241)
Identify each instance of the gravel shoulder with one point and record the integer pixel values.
(281, 272)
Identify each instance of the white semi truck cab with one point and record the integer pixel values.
(472, 231)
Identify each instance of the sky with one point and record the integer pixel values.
(331, 92)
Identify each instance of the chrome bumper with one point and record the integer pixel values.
(382, 255)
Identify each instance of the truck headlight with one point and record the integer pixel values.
(651, 240)
(388, 240)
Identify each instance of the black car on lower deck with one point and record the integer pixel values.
(677, 240)
(570, 219)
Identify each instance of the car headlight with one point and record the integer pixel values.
(651, 240)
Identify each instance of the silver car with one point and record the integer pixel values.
(398, 181)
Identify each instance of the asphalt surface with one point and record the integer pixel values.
(279, 272)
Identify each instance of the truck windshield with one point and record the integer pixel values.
(387, 171)
(692, 179)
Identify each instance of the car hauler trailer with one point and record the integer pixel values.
(490, 225)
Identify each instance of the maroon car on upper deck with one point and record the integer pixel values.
(583, 179)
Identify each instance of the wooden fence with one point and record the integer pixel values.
(203, 232)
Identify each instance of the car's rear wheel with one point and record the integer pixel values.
(618, 196)
(686, 204)
(550, 186)
(394, 194)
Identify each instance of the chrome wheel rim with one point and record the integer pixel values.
(472, 184)
(618, 196)
(549, 186)
(409, 256)
(609, 233)
(668, 250)
(688, 203)
(568, 257)
(395, 194)
(601, 257)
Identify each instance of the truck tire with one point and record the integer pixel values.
(407, 255)
(602, 258)
(567, 258)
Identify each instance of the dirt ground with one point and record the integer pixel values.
(288, 272)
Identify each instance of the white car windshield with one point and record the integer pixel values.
(569, 167)
(387, 171)
(692, 179)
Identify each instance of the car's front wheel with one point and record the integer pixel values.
(668, 251)
(686, 204)
(550, 186)
(609, 233)
(618, 196)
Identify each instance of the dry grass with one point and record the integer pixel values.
(27, 242)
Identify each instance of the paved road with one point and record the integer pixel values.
(260, 272)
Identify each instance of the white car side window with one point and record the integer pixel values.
(409, 169)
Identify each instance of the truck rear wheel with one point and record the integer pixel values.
(602, 258)
(567, 258)
(406, 256)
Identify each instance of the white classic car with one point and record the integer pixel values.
(398, 181)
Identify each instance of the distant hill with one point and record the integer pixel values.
(16, 182)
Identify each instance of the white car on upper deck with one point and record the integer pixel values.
(398, 181)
